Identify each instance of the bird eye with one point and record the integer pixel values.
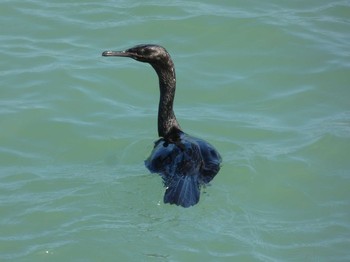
(145, 52)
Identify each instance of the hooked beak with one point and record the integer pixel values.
(116, 53)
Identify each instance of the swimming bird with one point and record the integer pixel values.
(185, 163)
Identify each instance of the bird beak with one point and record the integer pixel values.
(116, 53)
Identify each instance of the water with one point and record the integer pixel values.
(266, 82)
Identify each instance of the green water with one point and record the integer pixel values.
(266, 82)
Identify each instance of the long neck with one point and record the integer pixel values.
(168, 126)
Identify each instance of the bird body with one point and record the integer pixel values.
(185, 163)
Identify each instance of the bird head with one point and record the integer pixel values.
(146, 53)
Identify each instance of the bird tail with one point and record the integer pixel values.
(182, 190)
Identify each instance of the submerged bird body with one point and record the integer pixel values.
(184, 162)
(184, 165)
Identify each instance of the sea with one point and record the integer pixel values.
(266, 82)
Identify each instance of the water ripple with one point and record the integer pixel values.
(265, 82)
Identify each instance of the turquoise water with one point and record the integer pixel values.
(266, 82)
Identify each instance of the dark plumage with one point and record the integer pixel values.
(184, 162)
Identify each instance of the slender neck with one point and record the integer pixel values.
(168, 126)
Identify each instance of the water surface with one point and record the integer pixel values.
(267, 83)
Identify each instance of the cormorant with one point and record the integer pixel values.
(184, 162)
